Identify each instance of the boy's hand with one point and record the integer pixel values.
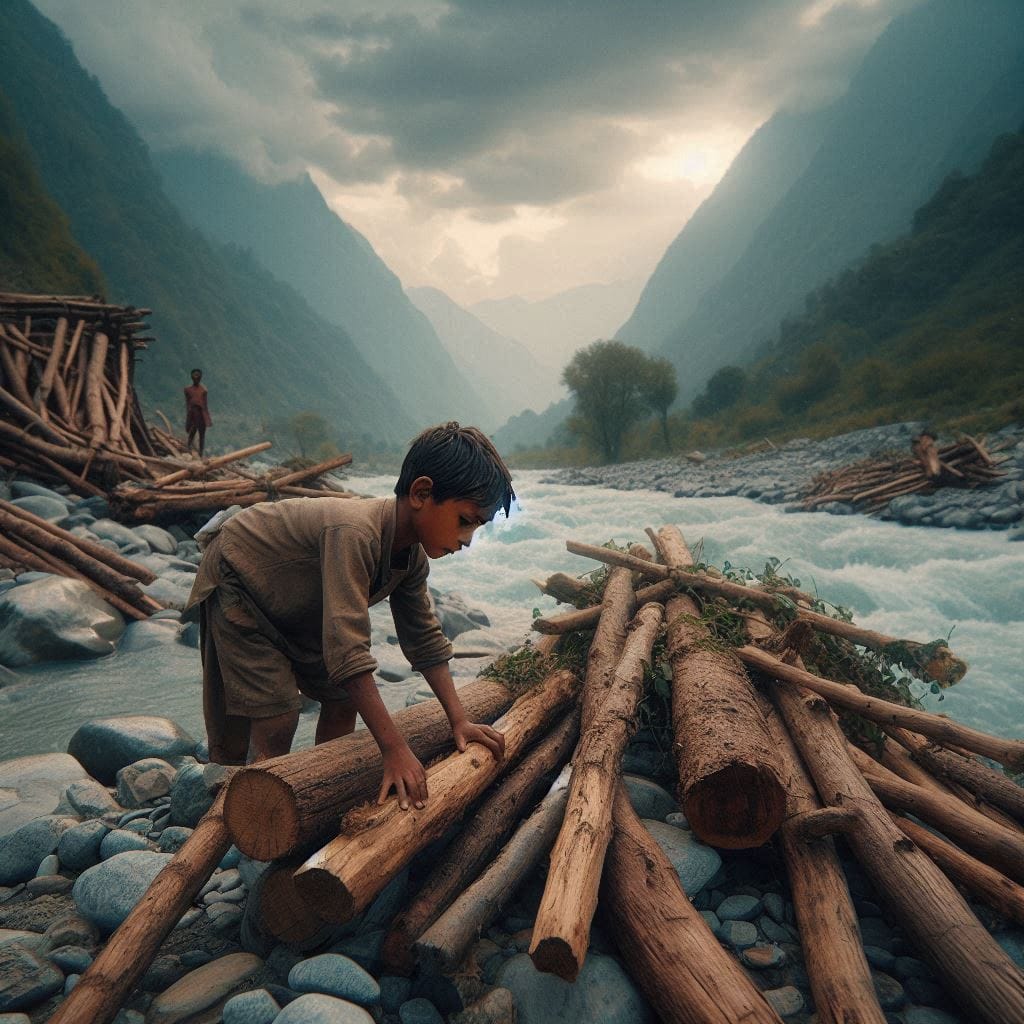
(403, 770)
(466, 732)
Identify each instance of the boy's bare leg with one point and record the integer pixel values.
(337, 718)
(233, 747)
(271, 737)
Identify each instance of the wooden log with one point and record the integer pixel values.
(52, 362)
(730, 780)
(567, 589)
(617, 609)
(940, 665)
(483, 833)
(310, 471)
(94, 390)
(312, 492)
(76, 339)
(149, 510)
(116, 561)
(923, 447)
(104, 985)
(15, 377)
(376, 842)
(444, 944)
(117, 424)
(989, 785)
(987, 840)
(284, 805)
(562, 929)
(284, 915)
(991, 886)
(670, 951)
(939, 924)
(587, 618)
(945, 730)
(29, 416)
(210, 464)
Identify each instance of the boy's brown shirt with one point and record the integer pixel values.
(313, 566)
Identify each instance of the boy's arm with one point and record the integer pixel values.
(439, 678)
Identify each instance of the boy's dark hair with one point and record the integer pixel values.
(462, 462)
(195, 369)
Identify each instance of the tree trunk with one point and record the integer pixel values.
(940, 925)
(587, 618)
(288, 804)
(1008, 752)
(561, 933)
(482, 834)
(378, 841)
(93, 390)
(617, 608)
(444, 944)
(669, 949)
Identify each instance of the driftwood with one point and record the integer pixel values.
(561, 932)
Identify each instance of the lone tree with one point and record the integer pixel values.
(607, 381)
(658, 388)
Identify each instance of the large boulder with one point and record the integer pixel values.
(603, 992)
(55, 619)
(22, 850)
(106, 745)
(32, 786)
(107, 892)
(51, 509)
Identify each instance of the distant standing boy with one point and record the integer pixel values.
(285, 589)
(197, 413)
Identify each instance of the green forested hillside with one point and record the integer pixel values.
(265, 353)
(37, 250)
(930, 326)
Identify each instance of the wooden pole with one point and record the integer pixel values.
(103, 986)
(205, 467)
(1008, 752)
(669, 949)
(617, 609)
(52, 361)
(93, 390)
(285, 805)
(320, 468)
(561, 933)
(730, 780)
(378, 841)
(587, 618)
(444, 944)
(483, 833)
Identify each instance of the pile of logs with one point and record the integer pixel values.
(872, 483)
(760, 757)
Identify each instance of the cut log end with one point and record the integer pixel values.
(260, 813)
(285, 915)
(322, 890)
(554, 955)
(736, 808)
(945, 667)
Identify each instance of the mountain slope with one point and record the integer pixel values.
(264, 352)
(295, 234)
(504, 373)
(723, 225)
(37, 250)
(909, 113)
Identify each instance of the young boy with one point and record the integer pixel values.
(285, 588)
(197, 412)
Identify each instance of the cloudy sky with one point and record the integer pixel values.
(486, 147)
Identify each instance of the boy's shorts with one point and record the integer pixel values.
(244, 674)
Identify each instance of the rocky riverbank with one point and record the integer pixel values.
(781, 476)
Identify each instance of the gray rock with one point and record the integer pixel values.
(419, 1011)
(190, 796)
(738, 934)
(121, 840)
(15, 1018)
(496, 1007)
(163, 972)
(204, 989)
(889, 991)
(786, 1001)
(189, 635)
(761, 958)
(142, 636)
(158, 539)
(649, 800)
(928, 1015)
(43, 885)
(257, 1007)
(28, 488)
(695, 863)
(364, 948)
(393, 992)
(105, 894)
(143, 781)
(36, 942)
(90, 799)
(22, 850)
(738, 908)
(122, 536)
(49, 865)
(880, 958)
(51, 509)
(105, 745)
(173, 838)
(71, 959)
(775, 907)
(171, 590)
(314, 1008)
(602, 992)
(55, 619)
(26, 979)
(72, 930)
(32, 786)
(335, 975)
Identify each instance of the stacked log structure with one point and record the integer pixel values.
(767, 704)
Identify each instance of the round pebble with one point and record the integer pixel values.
(336, 975)
(738, 908)
(763, 957)
(738, 934)
(314, 1008)
(419, 1011)
(257, 1007)
(785, 1001)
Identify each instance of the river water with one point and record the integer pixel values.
(912, 582)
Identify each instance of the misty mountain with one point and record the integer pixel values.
(294, 233)
(265, 353)
(504, 373)
(555, 327)
(929, 96)
(531, 429)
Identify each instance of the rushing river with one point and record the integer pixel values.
(912, 582)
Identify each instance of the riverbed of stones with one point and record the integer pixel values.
(783, 475)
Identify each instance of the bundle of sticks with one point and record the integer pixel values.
(872, 483)
(760, 757)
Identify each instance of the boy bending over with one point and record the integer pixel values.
(284, 591)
